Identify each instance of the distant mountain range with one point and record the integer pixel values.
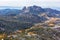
(6, 9)
(26, 17)
(9, 7)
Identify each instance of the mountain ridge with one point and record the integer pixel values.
(26, 17)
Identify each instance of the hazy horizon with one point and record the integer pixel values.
(54, 4)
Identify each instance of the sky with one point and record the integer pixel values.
(20, 3)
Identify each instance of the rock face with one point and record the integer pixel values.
(25, 18)
(37, 33)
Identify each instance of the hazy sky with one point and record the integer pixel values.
(20, 3)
